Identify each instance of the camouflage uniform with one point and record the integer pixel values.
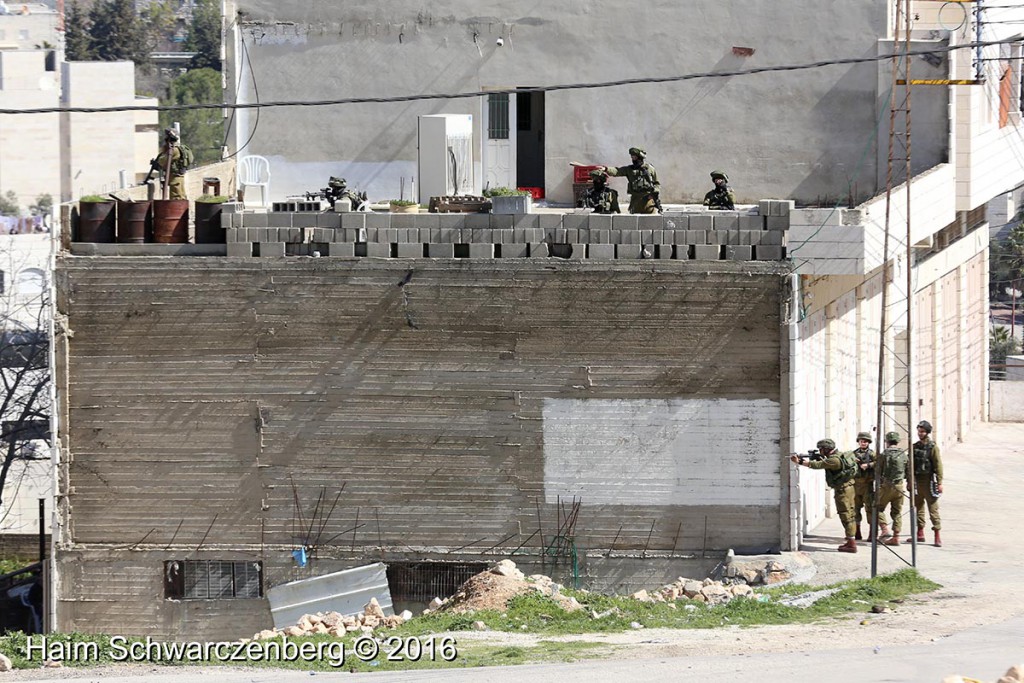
(722, 197)
(893, 465)
(864, 483)
(927, 462)
(643, 186)
(600, 197)
(839, 474)
(176, 183)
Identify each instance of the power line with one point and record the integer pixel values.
(510, 91)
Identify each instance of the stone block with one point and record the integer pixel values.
(750, 222)
(353, 219)
(271, 249)
(503, 221)
(255, 220)
(733, 237)
(525, 221)
(231, 235)
(664, 251)
(651, 222)
(774, 238)
(233, 220)
(450, 220)
(407, 235)
(575, 221)
(335, 249)
(403, 221)
(549, 221)
(601, 235)
(582, 236)
(677, 222)
(279, 219)
(480, 250)
(378, 249)
(502, 236)
(725, 220)
(751, 236)
(304, 220)
(514, 250)
(777, 222)
(387, 235)
(692, 237)
(781, 207)
(429, 235)
(445, 250)
(736, 252)
(624, 222)
(707, 252)
(538, 250)
(380, 221)
(329, 220)
(852, 216)
(646, 236)
(426, 221)
(561, 236)
(629, 251)
(239, 249)
(410, 250)
(630, 237)
(764, 207)
(602, 252)
(764, 252)
(230, 208)
(702, 221)
(599, 221)
(718, 236)
(682, 252)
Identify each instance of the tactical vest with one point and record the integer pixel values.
(642, 181)
(601, 201)
(923, 459)
(894, 468)
(719, 198)
(836, 478)
(866, 456)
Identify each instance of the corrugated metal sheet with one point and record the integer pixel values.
(346, 592)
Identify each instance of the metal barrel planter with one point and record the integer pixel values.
(134, 222)
(208, 225)
(96, 221)
(170, 221)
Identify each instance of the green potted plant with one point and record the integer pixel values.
(403, 206)
(96, 219)
(509, 200)
(207, 218)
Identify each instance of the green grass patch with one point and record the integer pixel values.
(10, 564)
(432, 641)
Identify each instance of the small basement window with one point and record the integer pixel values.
(423, 581)
(212, 579)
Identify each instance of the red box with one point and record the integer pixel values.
(581, 174)
(535, 192)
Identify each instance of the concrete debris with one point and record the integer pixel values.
(435, 604)
(805, 600)
(479, 626)
(635, 625)
(337, 625)
(507, 568)
(53, 664)
(5, 663)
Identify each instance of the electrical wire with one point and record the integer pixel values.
(256, 93)
(510, 91)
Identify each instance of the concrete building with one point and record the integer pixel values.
(457, 404)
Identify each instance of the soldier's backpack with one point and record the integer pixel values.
(836, 478)
(184, 161)
(895, 467)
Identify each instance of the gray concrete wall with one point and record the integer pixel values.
(457, 403)
(807, 135)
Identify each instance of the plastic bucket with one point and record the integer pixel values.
(96, 221)
(134, 222)
(170, 221)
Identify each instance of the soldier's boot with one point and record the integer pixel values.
(849, 547)
(938, 539)
(895, 540)
(858, 535)
(920, 537)
(885, 531)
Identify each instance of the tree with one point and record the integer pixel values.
(204, 35)
(1000, 345)
(158, 21)
(9, 204)
(201, 129)
(24, 365)
(117, 32)
(77, 41)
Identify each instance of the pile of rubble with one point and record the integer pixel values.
(1015, 674)
(333, 623)
(494, 588)
(755, 573)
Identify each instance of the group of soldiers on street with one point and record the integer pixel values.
(851, 476)
(644, 189)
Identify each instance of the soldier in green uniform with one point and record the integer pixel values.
(721, 197)
(840, 469)
(893, 465)
(600, 197)
(643, 186)
(180, 161)
(927, 465)
(864, 483)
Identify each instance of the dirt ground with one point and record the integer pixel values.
(979, 568)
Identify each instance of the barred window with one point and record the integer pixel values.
(212, 579)
(497, 116)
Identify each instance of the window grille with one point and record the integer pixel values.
(424, 581)
(212, 579)
(497, 116)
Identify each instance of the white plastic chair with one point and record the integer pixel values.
(254, 171)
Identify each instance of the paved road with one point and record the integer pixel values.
(974, 626)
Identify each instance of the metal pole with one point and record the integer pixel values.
(42, 529)
(910, 278)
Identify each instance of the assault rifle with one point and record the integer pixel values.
(813, 454)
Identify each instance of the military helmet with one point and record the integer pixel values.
(864, 436)
(925, 425)
(826, 445)
(892, 437)
(719, 174)
(171, 134)
(335, 181)
(599, 174)
(637, 152)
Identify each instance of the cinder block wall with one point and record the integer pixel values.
(210, 403)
